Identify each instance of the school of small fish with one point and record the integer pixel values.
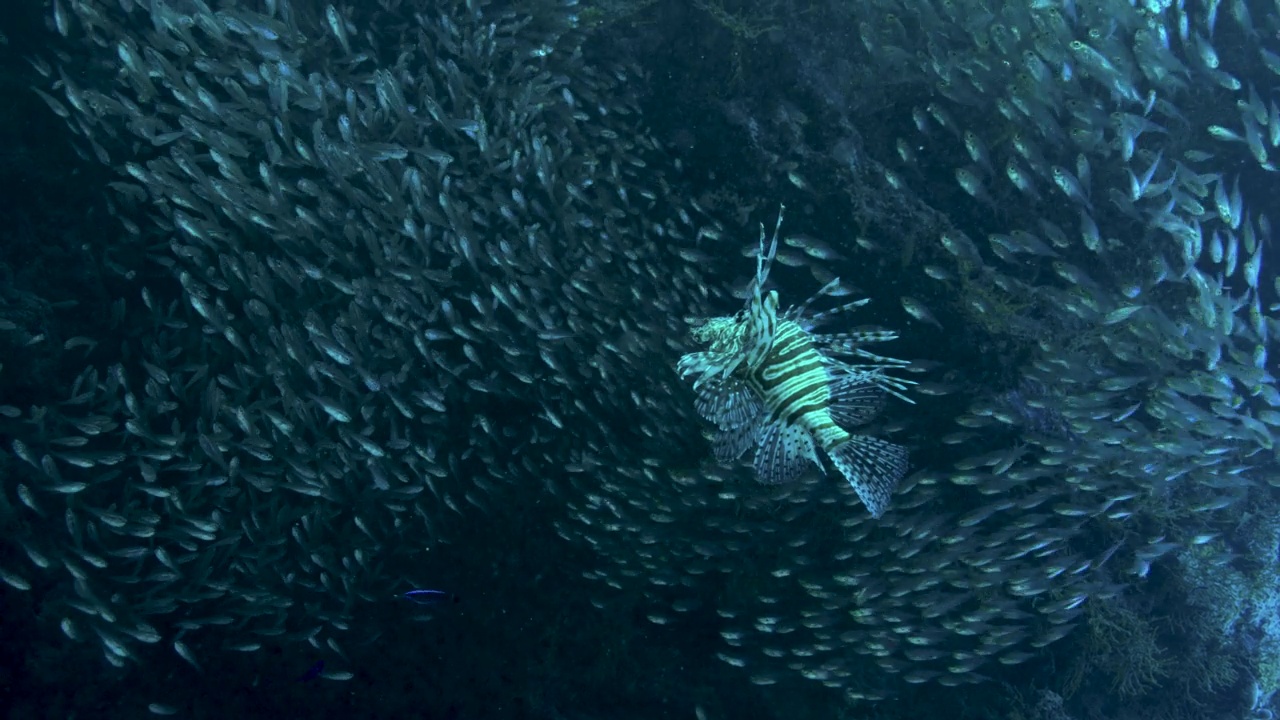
(401, 262)
(390, 289)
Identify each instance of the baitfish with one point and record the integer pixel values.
(768, 381)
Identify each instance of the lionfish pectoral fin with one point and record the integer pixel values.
(729, 444)
(784, 453)
(735, 409)
(729, 403)
(873, 467)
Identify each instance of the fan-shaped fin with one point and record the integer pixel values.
(873, 467)
(785, 452)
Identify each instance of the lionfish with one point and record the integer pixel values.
(768, 381)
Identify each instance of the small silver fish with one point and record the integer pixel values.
(919, 311)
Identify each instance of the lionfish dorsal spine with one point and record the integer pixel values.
(762, 325)
(797, 313)
(764, 259)
(821, 317)
(762, 307)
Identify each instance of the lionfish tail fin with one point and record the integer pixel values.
(873, 467)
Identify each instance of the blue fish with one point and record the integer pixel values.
(312, 672)
(430, 598)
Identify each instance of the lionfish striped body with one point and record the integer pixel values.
(768, 381)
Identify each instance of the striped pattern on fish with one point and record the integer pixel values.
(767, 381)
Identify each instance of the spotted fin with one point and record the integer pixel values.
(728, 402)
(785, 452)
(730, 443)
(736, 411)
(856, 397)
(873, 467)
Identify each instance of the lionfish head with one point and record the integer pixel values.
(725, 335)
(726, 338)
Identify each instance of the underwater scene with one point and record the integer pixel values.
(690, 359)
